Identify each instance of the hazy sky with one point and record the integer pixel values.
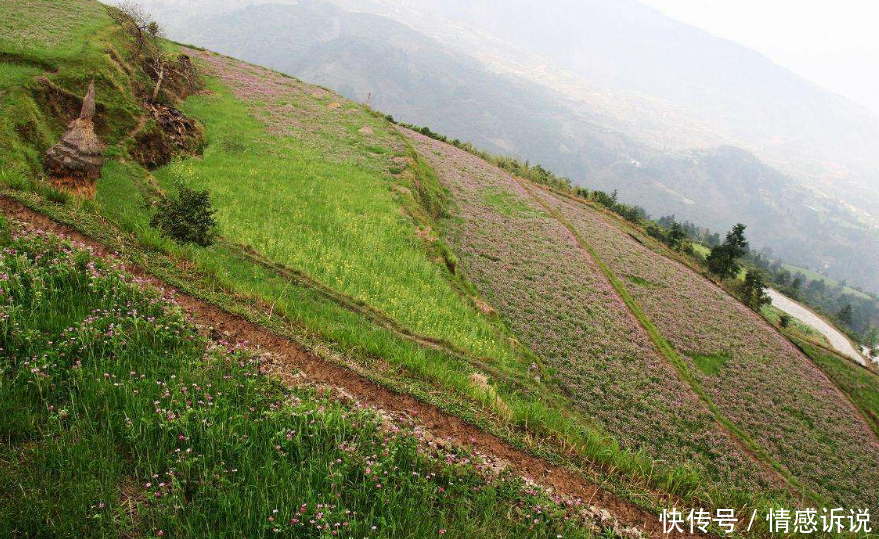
(834, 43)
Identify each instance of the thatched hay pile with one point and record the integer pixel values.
(76, 161)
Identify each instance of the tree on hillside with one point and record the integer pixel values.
(145, 34)
(846, 314)
(795, 286)
(136, 22)
(676, 236)
(724, 259)
(782, 277)
(754, 290)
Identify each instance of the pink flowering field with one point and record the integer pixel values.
(529, 266)
(758, 379)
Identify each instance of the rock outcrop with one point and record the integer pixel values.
(76, 161)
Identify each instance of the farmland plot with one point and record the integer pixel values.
(307, 180)
(532, 270)
(757, 378)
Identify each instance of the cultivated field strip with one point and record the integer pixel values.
(757, 378)
(529, 266)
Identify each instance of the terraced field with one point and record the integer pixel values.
(322, 172)
(755, 376)
(528, 265)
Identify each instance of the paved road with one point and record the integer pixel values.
(839, 341)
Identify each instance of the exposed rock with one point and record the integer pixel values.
(76, 161)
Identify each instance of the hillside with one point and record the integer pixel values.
(427, 64)
(389, 336)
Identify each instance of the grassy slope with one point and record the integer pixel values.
(224, 275)
(709, 364)
(512, 404)
(860, 384)
(38, 37)
(117, 420)
(560, 303)
(796, 327)
(125, 187)
(326, 204)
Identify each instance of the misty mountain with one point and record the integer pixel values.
(624, 45)
(418, 79)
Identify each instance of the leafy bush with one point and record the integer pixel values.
(784, 320)
(188, 217)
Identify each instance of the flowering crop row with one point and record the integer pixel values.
(529, 266)
(758, 379)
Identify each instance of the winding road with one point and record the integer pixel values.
(839, 341)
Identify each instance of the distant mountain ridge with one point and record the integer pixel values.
(403, 72)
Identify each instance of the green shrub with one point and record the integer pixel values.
(784, 320)
(187, 217)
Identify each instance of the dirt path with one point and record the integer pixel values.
(609, 509)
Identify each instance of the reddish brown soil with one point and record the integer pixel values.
(318, 370)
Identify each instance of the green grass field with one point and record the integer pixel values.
(511, 403)
(45, 30)
(338, 222)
